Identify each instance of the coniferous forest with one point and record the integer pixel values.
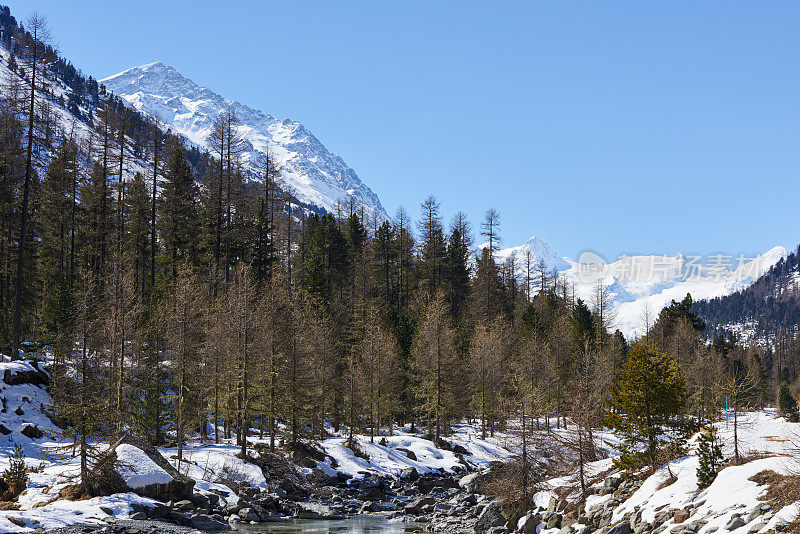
(179, 296)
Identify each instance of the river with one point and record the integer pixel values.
(353, 525)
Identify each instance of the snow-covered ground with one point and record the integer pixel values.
(54, 466)
(391, 459)
(767, 440)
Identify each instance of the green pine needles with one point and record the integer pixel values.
(644, 405)
(787, 404)
(710, 455)
(16, 475)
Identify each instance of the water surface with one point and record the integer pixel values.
(353, 525)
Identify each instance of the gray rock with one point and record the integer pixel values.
(248, 514)
(735, 522)
(409, 473)
(208, 523)
(551, 506)
(528, 523)
(106, 479)
(554, 521)
(184, 505)
(491, 516)
(754, 513)
(622, 528)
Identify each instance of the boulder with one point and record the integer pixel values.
(429, 482)
(133, 465)
(248, 514)
(554, 521)
(417, 506)
(528, 523)
(622, 528)
(409, 453)
(25, 373)
(409, 473)
(735, 522)
(374, 493)
(490, 517)
(208, 523)
(31, 431)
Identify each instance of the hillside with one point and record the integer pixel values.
(313, 174)
(760, 311)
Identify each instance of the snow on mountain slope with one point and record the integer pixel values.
(312, 172)
(539, 250)
(643, 285)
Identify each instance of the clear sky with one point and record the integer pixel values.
(623, 127)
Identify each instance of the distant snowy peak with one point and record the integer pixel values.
(642, 285)
(531, 253)
(314, 174)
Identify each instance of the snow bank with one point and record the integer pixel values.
(137, 469)
(393, 458)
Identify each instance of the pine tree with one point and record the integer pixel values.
(787, 403)
(709, 454)
(644, 403)
(430, 262)
(457, 269)
(56, 257)
(35, 57)
(16, 476)
(179, 223)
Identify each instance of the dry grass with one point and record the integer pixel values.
(670, 480)
(784, 489)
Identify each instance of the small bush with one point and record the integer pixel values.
(710, 456)
(16, 475)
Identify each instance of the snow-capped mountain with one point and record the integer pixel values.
(640, 286)
(537, 249)
(313, 174)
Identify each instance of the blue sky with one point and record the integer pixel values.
(622, 127)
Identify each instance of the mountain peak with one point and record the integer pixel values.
(314, 174)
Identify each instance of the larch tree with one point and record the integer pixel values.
(34, 55)
(489, 352)
(435, 365)
(184, 315)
